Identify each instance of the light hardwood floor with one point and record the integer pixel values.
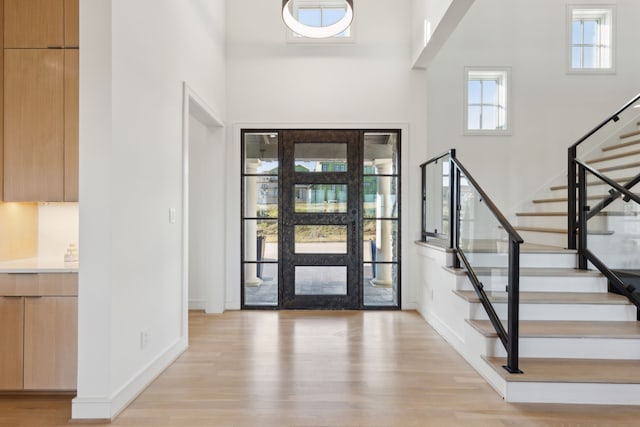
(294, 368)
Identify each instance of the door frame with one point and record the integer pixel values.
(194, 107)
(234, 301)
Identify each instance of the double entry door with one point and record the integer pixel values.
(320, 222)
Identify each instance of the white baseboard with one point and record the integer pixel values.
(107, 408)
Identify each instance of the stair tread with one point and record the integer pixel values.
(536, 248)
(628, 134)
(619, 167)
(613, 371)
(550, 297)
(562, 230)
(539, 272)
(612, 157)
(566, 329)
(541, 214)
(621, 145)
(605, 213)
(620, 181)
(542, 229)
(564, 199)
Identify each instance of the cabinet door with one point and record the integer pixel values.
(11, 324)
(71, 108)
(33, 125)
(71, 23)
(33, 23)
(50, 343)
(1, 106)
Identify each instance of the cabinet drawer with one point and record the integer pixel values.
(38, 284)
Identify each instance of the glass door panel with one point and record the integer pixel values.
(260, 218)
(320, 239)
(380, 224)
(321, 280)
(320, 219)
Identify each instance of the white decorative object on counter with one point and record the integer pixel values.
(72, 253)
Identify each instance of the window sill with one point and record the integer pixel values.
(505, 132)
(591, 71)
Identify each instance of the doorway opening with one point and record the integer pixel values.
(321, 219)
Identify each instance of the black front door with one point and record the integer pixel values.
(321, 219)
(320, 210)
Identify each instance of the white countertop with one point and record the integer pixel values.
(38, 265)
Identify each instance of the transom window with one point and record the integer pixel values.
(486, 101)
(591, 38)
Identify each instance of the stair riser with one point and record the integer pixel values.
(587, 312)
(542, 284)
(542, 221)
(597, 223)
(534, 260)
(551, 206)
(552, 239)
(628, 224)
(570, 348)
(573, 393)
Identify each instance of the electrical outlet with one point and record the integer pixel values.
(172, 215)
(144, 339)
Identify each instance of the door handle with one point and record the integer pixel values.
(353, 236)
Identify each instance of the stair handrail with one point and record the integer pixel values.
(572, 172)
(509, 337)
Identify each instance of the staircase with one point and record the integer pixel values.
(545, 219)
(578, 342)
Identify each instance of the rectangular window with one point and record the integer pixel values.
(486, 98)
(590, 34)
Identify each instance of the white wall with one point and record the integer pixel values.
(272, 83)
(550, 108)
(135, 57)
(57, 228)
(432, 22)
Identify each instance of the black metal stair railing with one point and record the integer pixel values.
(572, 171)
(586, 212)
(579, 212)
(452, 178)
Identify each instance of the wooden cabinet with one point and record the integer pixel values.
(11, 326)
(39, 331)
(71, 110)
(50, 343)
(39, 133)
(71, 23)
(41, 125)
(40, 23)
(34, 125)
(2, 103)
